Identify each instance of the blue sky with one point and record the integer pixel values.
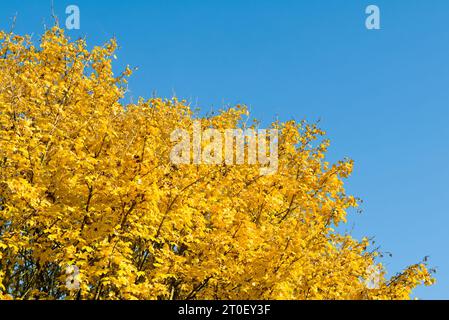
(381, 95)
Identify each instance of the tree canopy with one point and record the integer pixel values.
(86, 183)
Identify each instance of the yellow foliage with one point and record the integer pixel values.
(86, 181)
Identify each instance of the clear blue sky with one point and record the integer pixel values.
(382, 96)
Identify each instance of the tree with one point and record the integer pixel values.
(86, 182)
